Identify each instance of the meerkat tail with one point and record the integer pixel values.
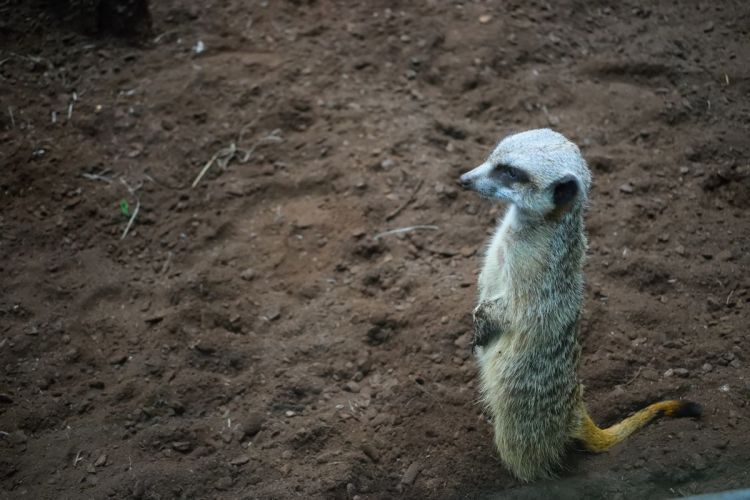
(598, 440)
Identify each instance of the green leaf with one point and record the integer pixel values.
(125, 208)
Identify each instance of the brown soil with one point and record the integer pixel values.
(250, 339)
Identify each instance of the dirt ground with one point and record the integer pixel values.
(251, 338)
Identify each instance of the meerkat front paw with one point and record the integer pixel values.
(486, 324)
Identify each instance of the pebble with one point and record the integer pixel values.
(248, 274)
(627, 188)
(273, 314)
(352, 386)
(182, 446)
(681, 372)
(387, 164)
(223, 483)
(241, 460)
(707, 367)
(411, 473)
(117, 359)
(252, 424)
(485, 18)
(101, 461)
(371, 452)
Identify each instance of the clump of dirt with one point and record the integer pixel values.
(252, 338)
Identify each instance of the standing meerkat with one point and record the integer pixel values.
(530, 296)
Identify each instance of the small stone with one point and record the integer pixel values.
(117, 359)
(735, 363)
(485, 18)
(248, 274)
(627, 188)
(252, 424)
(241, 460)
(289, 413)
(182, 446)
(350, 489)
(467, 251)
(680, 249)
(681, 372)
(352, 386)
(371, 452)
(684, 170)
(223, 483)
(411, 473)
(387, 164)
(205, 347)
(101, 461)
(707, 367)
(273, 314)
(669, 373)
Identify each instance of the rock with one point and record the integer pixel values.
(707, 367)
(101, 461)
(117, 359)
(681, 372)
(182, 446)
(350, 489)
(352, 386)
(627, 188)
(371, 452)
(485, 18)
(669, 373)
(387, 164)
(139, 489)
(411, 473)
(273, 314)
(205, 347)
(241, 460)
(680, 249)
(735, 363)
(252, 424)
(248, 274)
(223, 483)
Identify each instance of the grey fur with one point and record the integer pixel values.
(530, 297)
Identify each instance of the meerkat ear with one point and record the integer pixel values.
(564, 190)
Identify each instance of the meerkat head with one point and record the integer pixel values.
(539, 171)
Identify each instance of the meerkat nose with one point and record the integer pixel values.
(464, 181)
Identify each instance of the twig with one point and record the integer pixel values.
(407, 203)
(77, 459)
(137, 206)
(226, 155)
(167, 261)
(632, 379)
(101, 176)
(404, 230)
(74, 98)
(12, 120)
(132, 219)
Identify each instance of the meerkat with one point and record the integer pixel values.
(530, 294)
